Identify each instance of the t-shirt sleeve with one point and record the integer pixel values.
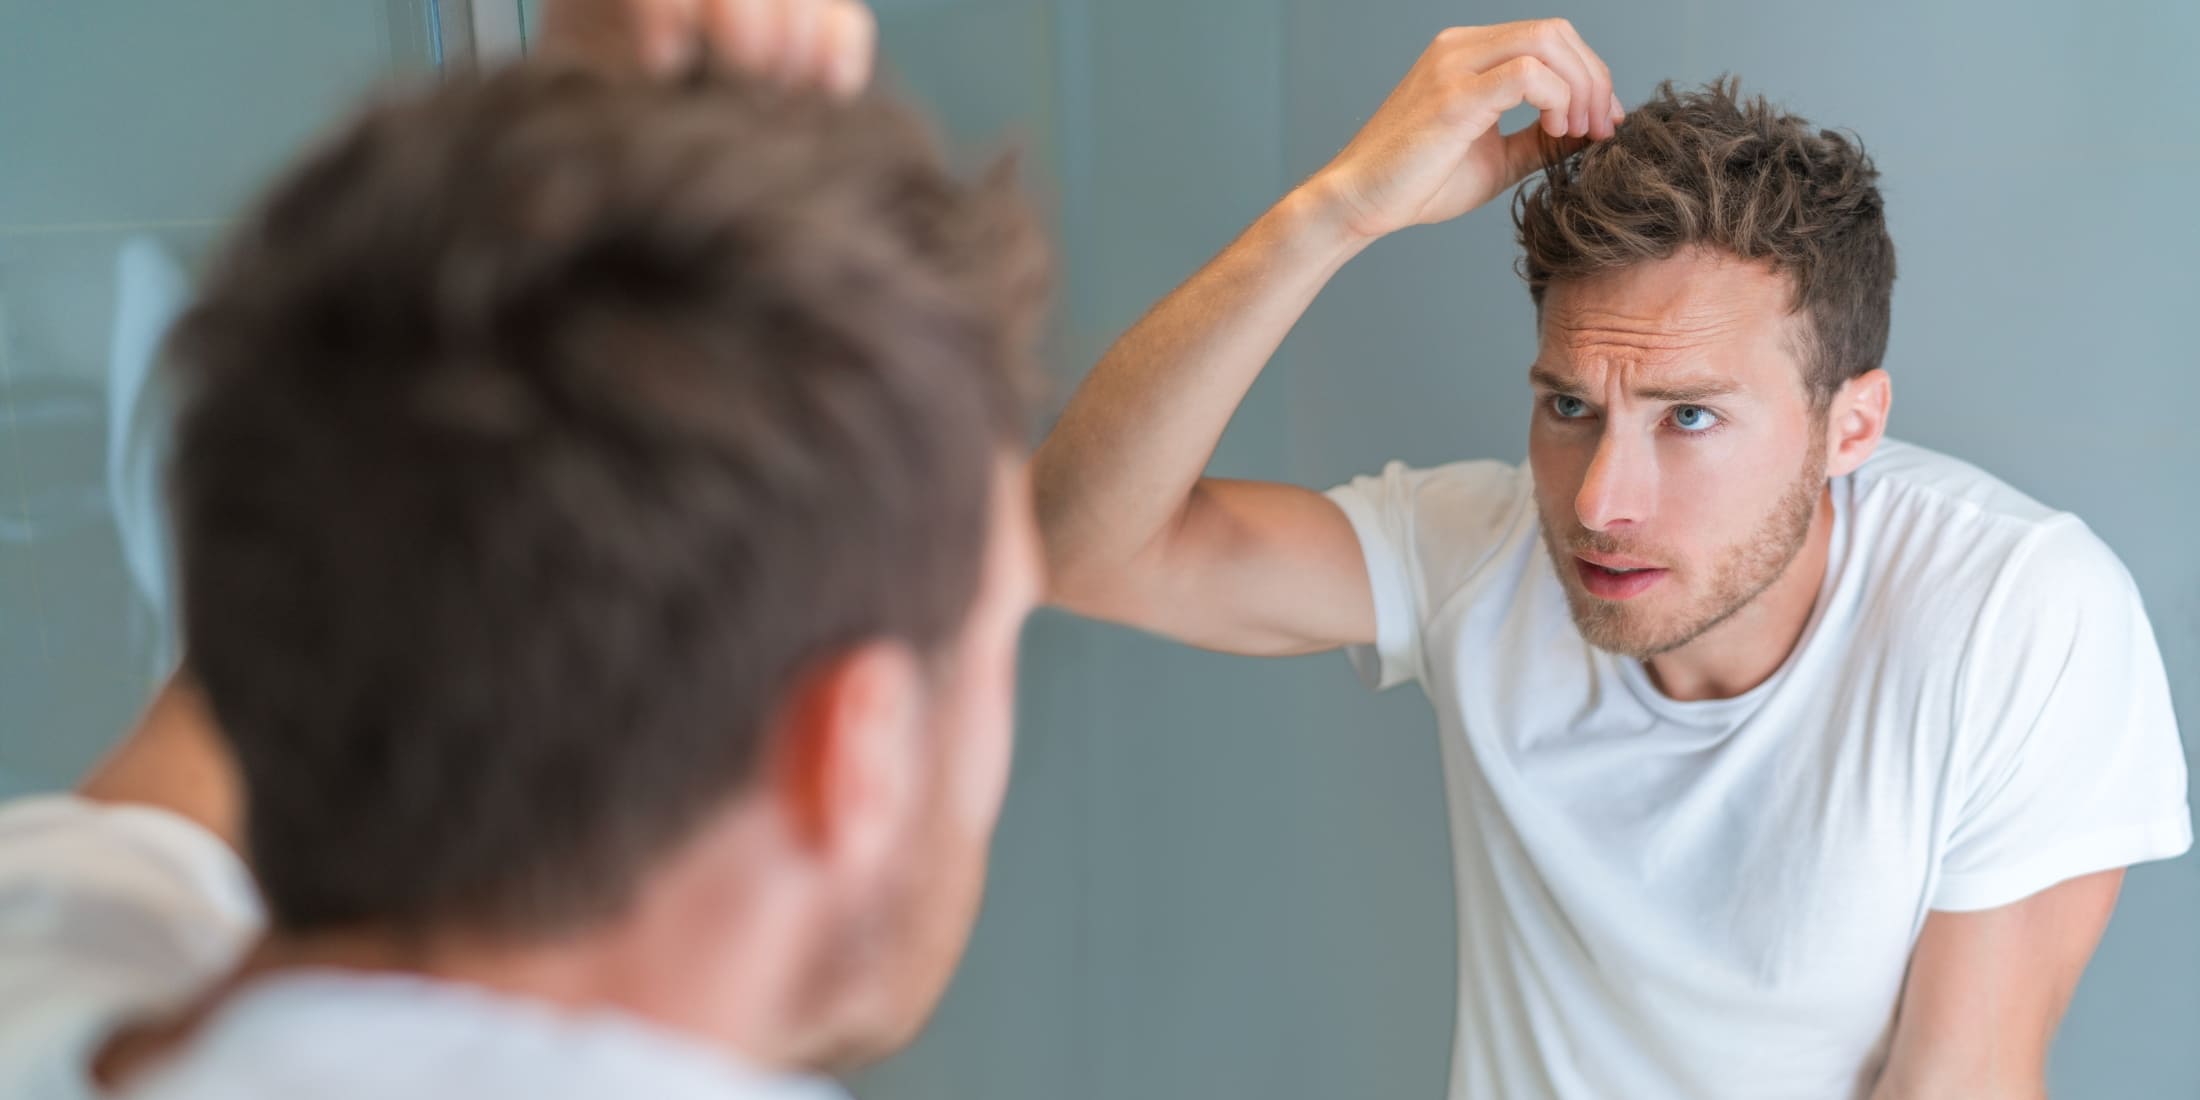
(106, 912)
(1423, 534)
(2071, 761)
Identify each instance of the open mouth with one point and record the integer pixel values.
(1613, 582)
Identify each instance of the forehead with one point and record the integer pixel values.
(1698, 309)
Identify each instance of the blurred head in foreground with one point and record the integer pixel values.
(604, 542)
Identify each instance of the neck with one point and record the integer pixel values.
(1752, 644)
(722, 965)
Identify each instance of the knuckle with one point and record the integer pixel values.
(1458, 98)
(1464, 89)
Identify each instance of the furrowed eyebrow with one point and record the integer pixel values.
(1686, 392)
(1545, 379)
(1680, 393)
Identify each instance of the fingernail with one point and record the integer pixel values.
(846, 60)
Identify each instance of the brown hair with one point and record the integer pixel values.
(1708, 168)
(541, 428)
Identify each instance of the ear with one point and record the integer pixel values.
(1856, 421)
(844, 773)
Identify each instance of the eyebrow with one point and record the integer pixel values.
(1682, 392)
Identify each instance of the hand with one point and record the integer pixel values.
(820, 43)
(1433, 152)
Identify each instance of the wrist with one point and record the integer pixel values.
(1318, 221)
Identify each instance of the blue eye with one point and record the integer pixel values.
(1695, 418)
(1569, 408)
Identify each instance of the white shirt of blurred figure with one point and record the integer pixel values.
(112, 914)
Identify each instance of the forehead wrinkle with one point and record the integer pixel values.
(1589, 330)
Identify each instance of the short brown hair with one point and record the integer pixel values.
(1708, 168)
(540, 429)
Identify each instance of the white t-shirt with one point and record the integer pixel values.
(1662, 900)
(113, 914)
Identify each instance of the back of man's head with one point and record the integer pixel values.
(541, 430)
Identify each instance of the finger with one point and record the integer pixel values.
(1581, 107)
(1551, 41)
(1481, 49)
(1598, 120)
(1619, 113)
(1530, 148)
(849, 46)
(797, 62)
(653, 34)
(743, 32)
(1529, 80)
(669, 36)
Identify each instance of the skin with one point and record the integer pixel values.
(1672, 428)
(1740, 517)
(829, 44)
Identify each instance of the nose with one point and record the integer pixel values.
(1619, 485)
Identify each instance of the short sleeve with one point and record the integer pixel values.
(1423, 534)
(2071, 761)
(106, 913)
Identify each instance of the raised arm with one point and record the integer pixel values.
(1134, 532)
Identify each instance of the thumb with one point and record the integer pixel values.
(1530, 149)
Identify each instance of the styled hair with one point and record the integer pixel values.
(1710, 169)
(540, 429)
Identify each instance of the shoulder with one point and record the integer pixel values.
(1452, 500)
(1956, 558)
(1927, 479)
(1438, 524)
(106, 912)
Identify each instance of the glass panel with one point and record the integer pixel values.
(133, 129)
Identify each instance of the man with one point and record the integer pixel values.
(1782, 760)
(604, 538)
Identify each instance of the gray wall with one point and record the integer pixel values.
(126, 126)
(1224, 877)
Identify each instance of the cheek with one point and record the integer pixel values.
(1715, 493)
(1696, 519)
(1559, 465)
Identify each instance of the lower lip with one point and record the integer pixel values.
(1606, 585)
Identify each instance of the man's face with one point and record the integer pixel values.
(1678, 460)
(932, 905)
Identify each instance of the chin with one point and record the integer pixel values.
(1621, 630)
(1628, 646)
(905, 1003)
(876, 1040)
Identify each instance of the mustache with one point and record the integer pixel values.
(1597, 542)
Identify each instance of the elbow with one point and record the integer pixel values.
(1079, 584)
(1083, 578)
(1085, 571)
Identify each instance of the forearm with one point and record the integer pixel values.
(1973, 1025)
(1120, 466)
(1118, 481)
(1987, 990)
(1913, 1080)
(1901, 1084)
